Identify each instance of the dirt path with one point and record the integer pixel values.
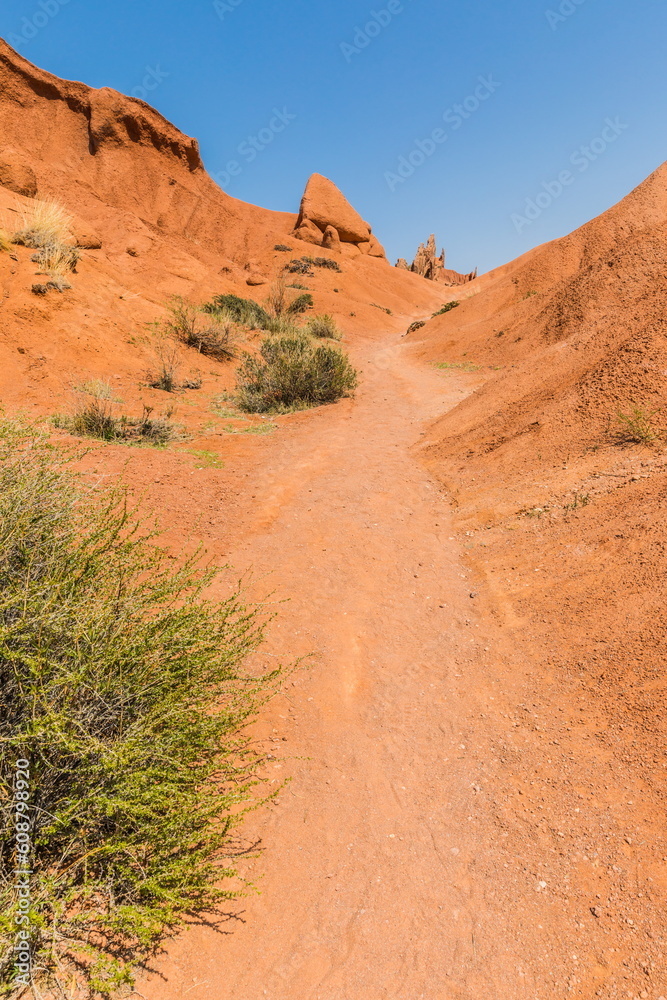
(401, 861)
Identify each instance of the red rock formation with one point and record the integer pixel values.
(428, 265)
(327, 219)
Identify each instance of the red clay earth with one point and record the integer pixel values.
(472, 554)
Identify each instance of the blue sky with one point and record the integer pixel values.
(561, 103)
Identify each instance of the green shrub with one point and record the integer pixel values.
(121, 682)
(417, 325)
(326, 262)
(448, 306)
(293, 373)
(300, 266)
(323, 325)
(301, 304)
(247, 312)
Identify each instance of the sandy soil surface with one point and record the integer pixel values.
(453, 828)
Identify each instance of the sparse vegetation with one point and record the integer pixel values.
(459, 366)
(382, 308)
(323, 325)
(207, 459)
(5, 241)
(166, 377)
(45, 224)
(122, 684)
(282, 248)
(417, 325)
(301, 304)
(190, 325)
(291, 373)
(96, 418)
(638, 426)
(448, 306)
(246, 312)
(325, 262)
(300, 266)
(580, 500)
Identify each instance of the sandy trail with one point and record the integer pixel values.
(388, 870)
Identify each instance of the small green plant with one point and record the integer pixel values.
(448, 306)
(417, 325)
(638, 425)
(292, 373)
(297, 284)
(123, 687)
(252, 429)
(282, 248)
(382, 308)
(580, 500)
(324, 326)
(207, 459)
(460, 366)
(529, 295)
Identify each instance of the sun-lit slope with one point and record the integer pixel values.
(565, 503)
(574, 332)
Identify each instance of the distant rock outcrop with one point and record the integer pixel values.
(327, 219)
(429, 265)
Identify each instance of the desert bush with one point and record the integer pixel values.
(282, 248)
(323, 325)
(301, 304)
(96, 418)
(44, 224)
(300, 266)
(191, 325)
(279, 304)
(417, 325)
(57, 260)
(325, 262)
(247, 312)
(293, 373)
(448, 306)
(638, 426)
(122, 685)
(5, 241)
(166, 376)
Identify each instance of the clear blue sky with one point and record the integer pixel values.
(361, 100)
